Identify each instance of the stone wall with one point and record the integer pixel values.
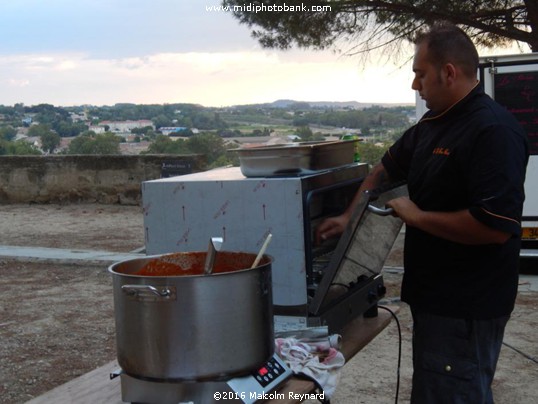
(86, 178)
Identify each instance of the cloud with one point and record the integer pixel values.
(18, 82)
(102, 52)
(211, 79)
(118, 28)
(159, 51)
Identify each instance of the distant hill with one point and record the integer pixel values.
(321, 104)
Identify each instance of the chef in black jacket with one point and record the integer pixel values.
(464, 163)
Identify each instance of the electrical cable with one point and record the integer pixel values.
(399, 350)
(520, 352)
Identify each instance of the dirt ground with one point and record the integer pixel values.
(56, 319)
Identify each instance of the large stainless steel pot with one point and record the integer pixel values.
(193, 327)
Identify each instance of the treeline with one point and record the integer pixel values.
(301, 114)
(364, 119)
(184, 115)
(50, 124)
(59, 119)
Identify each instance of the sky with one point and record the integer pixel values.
(103, 52)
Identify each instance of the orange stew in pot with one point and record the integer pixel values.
(163, 267)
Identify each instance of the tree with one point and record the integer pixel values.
(8, 133)
(370, 153)
(164, 145)
(370, 24)
(162, 120)
(69, 129)
(38, 130)
(305, 133)
(18, 147)
(48, 114)
(107, 143)
(90, 143)
(142, 131)
(81, 144)
(208, 144)
(50, 141)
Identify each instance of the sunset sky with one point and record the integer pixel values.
(103, 52)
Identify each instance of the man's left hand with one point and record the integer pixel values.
(405, 209)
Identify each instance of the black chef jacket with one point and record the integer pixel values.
(474, 157)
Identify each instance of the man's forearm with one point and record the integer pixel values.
(459, 227)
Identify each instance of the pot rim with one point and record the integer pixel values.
(266, 259)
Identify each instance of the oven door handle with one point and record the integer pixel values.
(380, 211)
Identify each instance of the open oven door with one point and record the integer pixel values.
(351, 282)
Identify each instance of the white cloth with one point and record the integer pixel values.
(316, 359)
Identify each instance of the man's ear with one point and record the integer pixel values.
(450, 72)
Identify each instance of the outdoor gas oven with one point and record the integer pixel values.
(286, 195)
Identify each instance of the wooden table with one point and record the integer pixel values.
(96, 386)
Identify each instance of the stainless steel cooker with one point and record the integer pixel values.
(193, 327)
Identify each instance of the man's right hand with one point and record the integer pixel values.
(331, 227)
(334, 226)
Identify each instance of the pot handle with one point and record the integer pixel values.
(143, 292)
(380, 211)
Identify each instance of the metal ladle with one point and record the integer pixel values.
(215, 244)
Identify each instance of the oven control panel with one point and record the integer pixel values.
(271, 371)
(264, 380)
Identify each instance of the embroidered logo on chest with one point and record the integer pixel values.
(443, 151)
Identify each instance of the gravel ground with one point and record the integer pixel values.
(56, 319)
